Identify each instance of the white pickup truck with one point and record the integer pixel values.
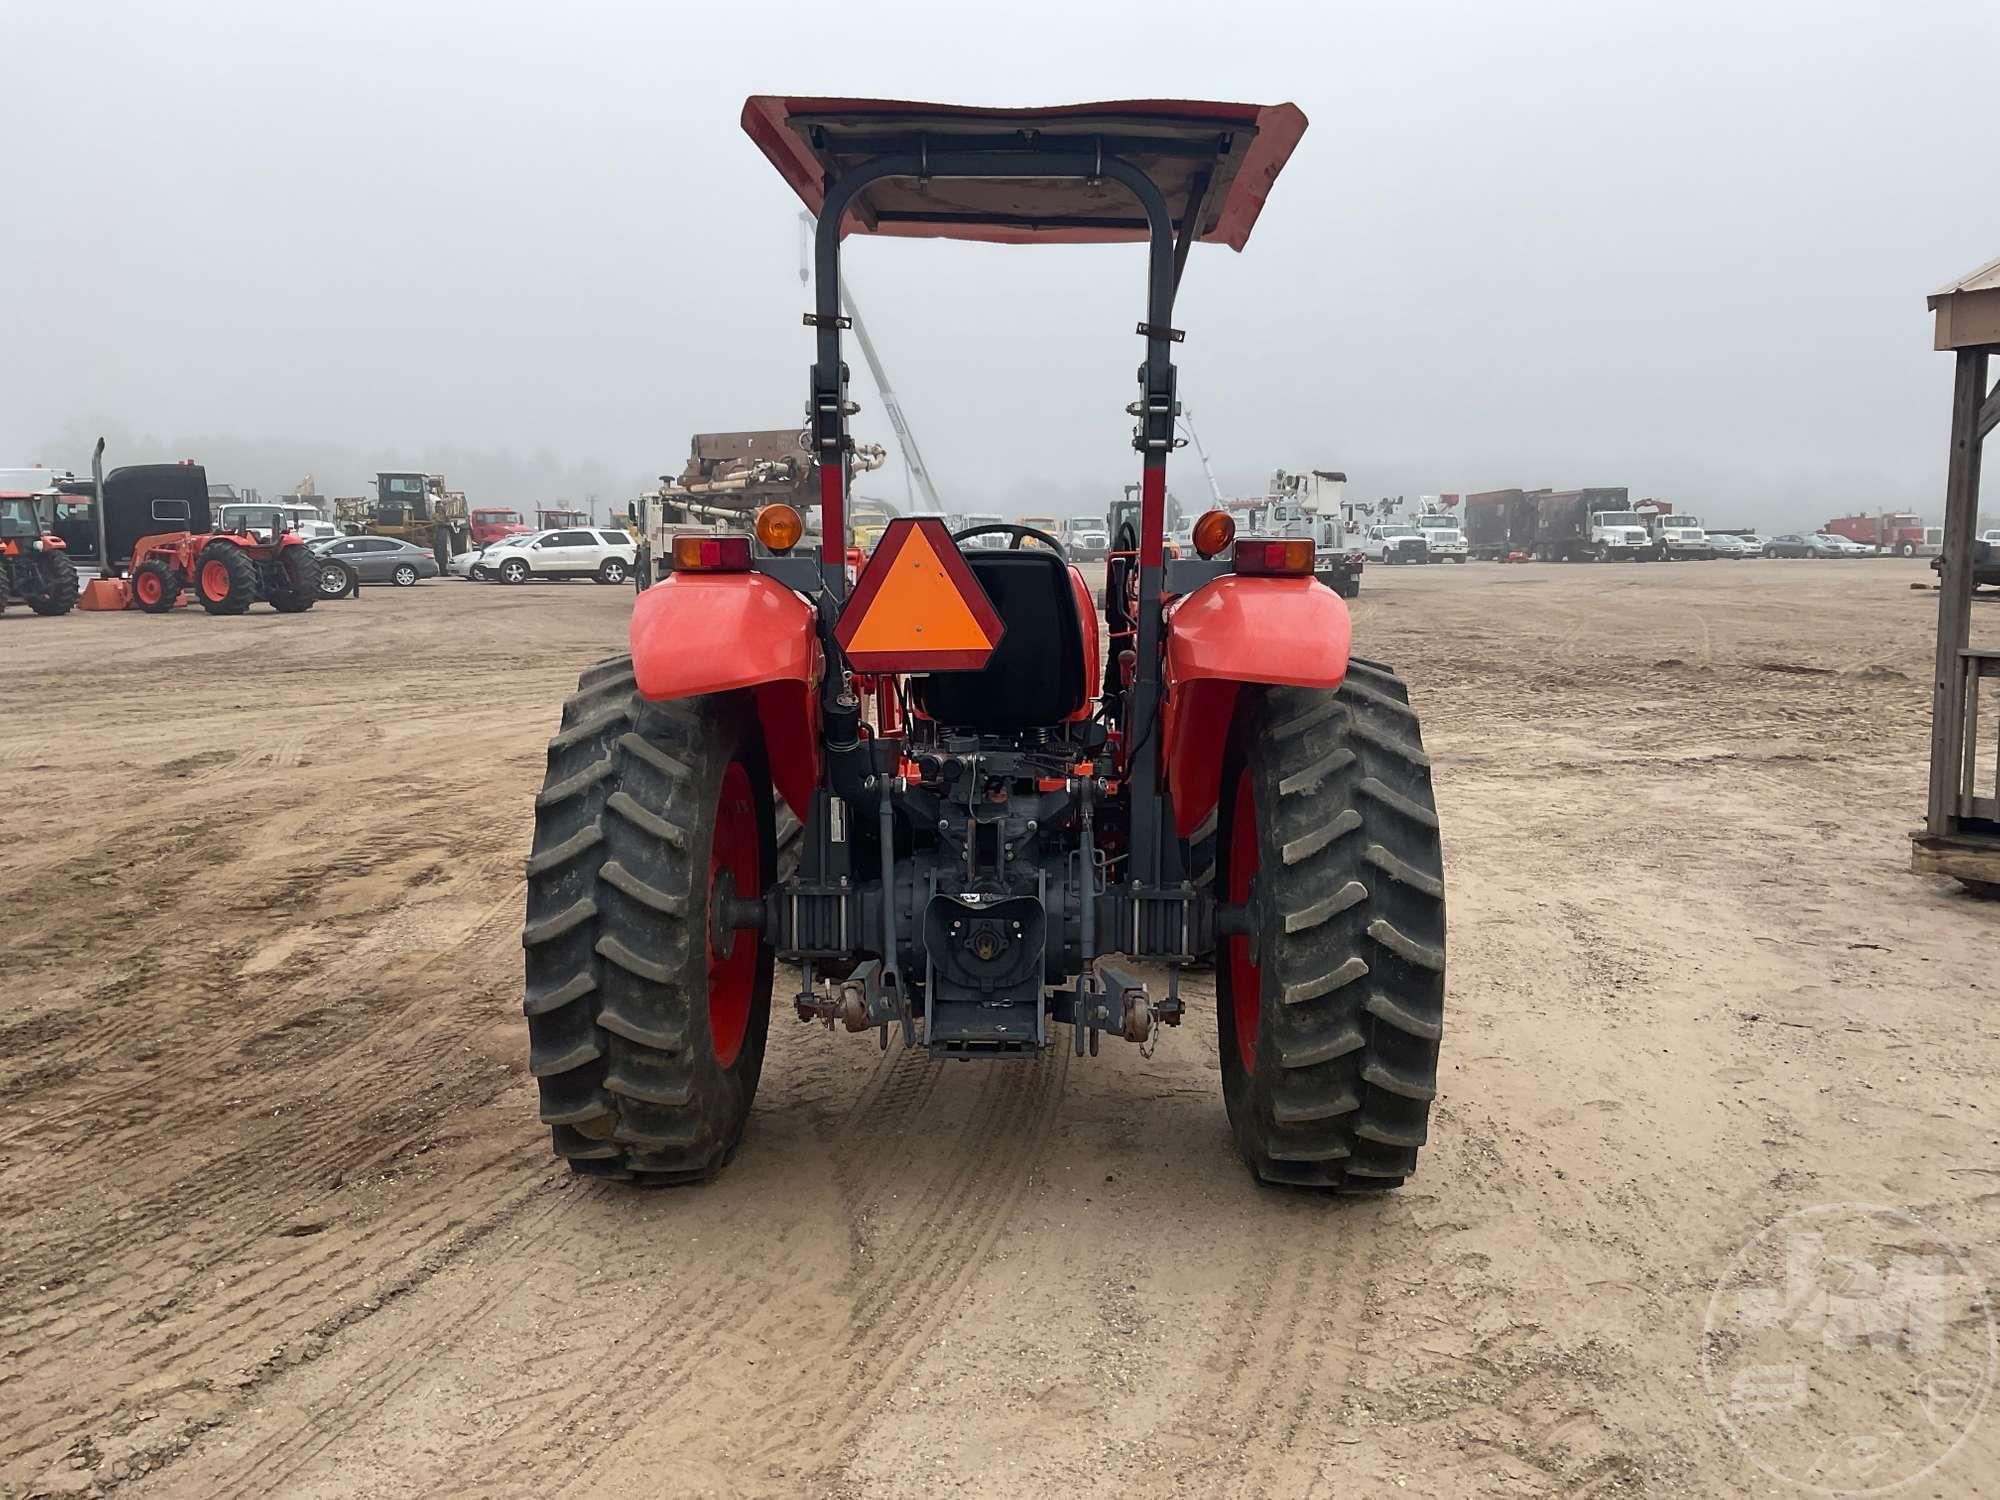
(1393, 542)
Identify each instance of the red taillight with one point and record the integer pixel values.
(1288, 557)
(698, 552)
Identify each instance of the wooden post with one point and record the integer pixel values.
(1961, 510)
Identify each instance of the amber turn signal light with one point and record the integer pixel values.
(779, 527)
(1214, 532)
(697, 552)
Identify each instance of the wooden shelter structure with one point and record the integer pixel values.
(1961, 833)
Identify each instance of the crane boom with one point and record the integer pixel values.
(915, 473)
(1187, 421)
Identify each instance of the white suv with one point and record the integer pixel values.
(573, 552)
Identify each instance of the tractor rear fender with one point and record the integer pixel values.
(1287, 632)
(698, 633)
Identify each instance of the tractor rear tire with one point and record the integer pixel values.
(1330, 1009)
(156, 586)
(225, 579)
(646, 1042)
(57, 589)
(295, 579)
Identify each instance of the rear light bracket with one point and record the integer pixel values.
(796, 570)
(1186, 574)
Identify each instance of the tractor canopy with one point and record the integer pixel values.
(1220, 158)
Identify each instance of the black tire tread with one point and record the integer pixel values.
(614, 936)
(64, 588)
(294, 580)
(170, 585)
(242, 578)
(1352, 936)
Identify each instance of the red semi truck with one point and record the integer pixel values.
(490, 524)
(1897, 531)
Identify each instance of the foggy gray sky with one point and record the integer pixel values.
(1680, 247)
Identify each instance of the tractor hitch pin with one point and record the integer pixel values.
(807, 1001)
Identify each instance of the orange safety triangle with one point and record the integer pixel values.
(917, 608)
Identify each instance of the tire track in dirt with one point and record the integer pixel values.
(286, 1448)
(215, 1009)
(905, 1297)
(891, 1142)
(108, 1276)
(1295, 1320)
(667, 1336)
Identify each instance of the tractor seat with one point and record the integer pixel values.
(1035, 676)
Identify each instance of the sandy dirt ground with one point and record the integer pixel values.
(276, 1217)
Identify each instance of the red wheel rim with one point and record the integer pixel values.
(215, 580)
(1246, 979)
(731, 980)
(148, 588)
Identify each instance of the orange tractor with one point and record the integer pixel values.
(157, 532)
(35, 565)
(997, 796)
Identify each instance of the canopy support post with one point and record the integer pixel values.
(1961, 507)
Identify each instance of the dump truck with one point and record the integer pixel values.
(1592, 525)
(1500, 524)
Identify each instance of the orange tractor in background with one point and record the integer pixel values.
(998, 797)
(159, 540)
(35, 565)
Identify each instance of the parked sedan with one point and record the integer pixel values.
(606, 555)
(1797, 544)
(1835, 545)
(1722, 544)
(381, 559)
